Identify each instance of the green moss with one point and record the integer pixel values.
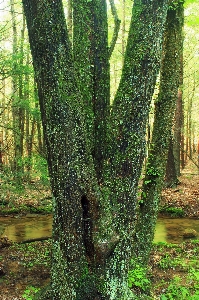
(41, 209)
(10, 211)
(173, 211)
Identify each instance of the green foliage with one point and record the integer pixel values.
(178, 257)
(138, 278)
(175, 4)
(194, 277)
(34, 168)
(177, 291)
(188, 2)
(40, 168)
(41, 209)
(33, 256)
(169, 262)
(152, 171)
(173, 211)
(30, 292)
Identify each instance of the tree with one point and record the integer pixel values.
(94, 203)
(173, 161)
(16, 109)
(161, 137)
(171, 177)
(190, 85)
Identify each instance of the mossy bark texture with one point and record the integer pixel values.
(91, 55)
(163, 121)
(94, 202)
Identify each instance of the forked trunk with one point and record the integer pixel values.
(94, 222)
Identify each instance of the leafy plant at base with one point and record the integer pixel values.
(176, 291)
(194, 276)
(137, 278)
(168, 262)
(30, 292)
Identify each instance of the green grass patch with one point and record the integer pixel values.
(173, 211)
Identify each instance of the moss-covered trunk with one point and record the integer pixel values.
(70, 164)
(94, 220)
(164, 113)
(91, 54)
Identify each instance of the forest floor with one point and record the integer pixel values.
(173, 271)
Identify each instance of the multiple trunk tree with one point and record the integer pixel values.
(95, 150)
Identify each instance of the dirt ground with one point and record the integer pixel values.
(24, 268)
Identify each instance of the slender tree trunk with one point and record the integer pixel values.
(123, 27)
(15, 114)
(37, 120)
(171, 178)
(2, 114)
(164, 112)
(1, 150)
(178, 121)
(21, 109)
(29, 122)
(17, 95)
(3, 131)
(177, 132)
(198, 154)
(70, 18)
(182, 153)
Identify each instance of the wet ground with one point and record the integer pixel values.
(23, 268)
(26, 267)
(31, 226)
(18, 229)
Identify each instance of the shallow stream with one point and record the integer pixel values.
(32, 226)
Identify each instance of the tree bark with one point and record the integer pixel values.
(91, 53)
(164, 113)
(94, 220)
(171, 178)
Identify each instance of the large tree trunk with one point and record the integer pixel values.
(94, 221)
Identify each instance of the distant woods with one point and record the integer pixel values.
(22, 148)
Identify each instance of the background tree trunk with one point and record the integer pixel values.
(178, 122)
(18, 111)
(171, 178)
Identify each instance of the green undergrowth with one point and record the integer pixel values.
(176, 212)
(27, 197)
(30, 292)
(32, 254)
(175, 271)
(172, 274)
(24, 209)
(138, 278)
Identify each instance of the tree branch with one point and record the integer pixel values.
(117, 23)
